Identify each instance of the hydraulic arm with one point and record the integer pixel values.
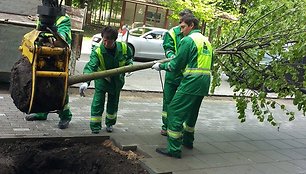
(40, 76)
(39, 79)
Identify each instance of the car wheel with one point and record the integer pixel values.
(132, 49)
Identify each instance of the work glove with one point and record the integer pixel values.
(82, 89)
(128, 74)
(107, 79)
(172, 56)
(156, 66)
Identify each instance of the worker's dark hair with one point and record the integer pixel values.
(189, 19)
(110, 33)
(185, 12)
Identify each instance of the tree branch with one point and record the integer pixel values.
(276, 20)
(249, 28)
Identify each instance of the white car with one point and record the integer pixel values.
(145, 42)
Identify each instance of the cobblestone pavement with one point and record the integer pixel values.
(222, 143)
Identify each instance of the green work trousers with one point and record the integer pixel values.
(169, 91)
(64, 114)
(97, 108)
(183, 112)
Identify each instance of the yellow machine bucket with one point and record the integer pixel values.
(39, 78)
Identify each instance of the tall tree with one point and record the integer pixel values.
(79, 3)
(263, 50)
(68, 2)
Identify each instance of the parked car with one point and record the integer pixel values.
(145, 42)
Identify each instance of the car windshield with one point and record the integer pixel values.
(139, 31)
(156, 35)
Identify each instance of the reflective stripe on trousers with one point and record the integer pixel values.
(187, 128)
(96, 119)
(164, 114)
(174, 134)
(111, 116)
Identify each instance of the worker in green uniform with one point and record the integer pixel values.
(108, 55)
(172, 79)
(63, 25)
(194, 58)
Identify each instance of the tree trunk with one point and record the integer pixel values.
(96, 75)
(242, 9)
(68, 2)
(82, 3)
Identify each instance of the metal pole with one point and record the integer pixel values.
(161, 80)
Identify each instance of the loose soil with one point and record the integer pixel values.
(45, 88)
(65, 156)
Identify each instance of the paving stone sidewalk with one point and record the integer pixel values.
(222, 143)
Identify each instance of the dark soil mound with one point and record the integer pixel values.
(21, 84)
(65, 156)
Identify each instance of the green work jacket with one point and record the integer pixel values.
(63, 24)
(194, 58)
(101, 59)
(170, 44)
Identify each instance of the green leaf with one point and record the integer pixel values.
(282, 107)
(264, 28)
(270, 118)
(242, 120)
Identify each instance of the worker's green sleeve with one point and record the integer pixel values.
(63, 24)
(129, 57)
(93, 64)
(179, 62)
(169, 45)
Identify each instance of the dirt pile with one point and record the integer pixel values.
(66, 157)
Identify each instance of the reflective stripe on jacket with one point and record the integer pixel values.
(101, 59)
(204, 60)
(63, 25)
(171, 41)
(170, 45)
(194, 57)
(173, 36)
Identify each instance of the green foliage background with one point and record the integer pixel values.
(263, 27)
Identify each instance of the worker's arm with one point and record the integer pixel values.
(93, 64)
(169, 45)
(129, 57)
(90, 67)
(63, 25)
(179, 62)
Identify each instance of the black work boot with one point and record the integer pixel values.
(164, 151)
(95, 131)
(188, 146)
(63, 124)
(163, 132)
(33, 118)
(109, 128)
